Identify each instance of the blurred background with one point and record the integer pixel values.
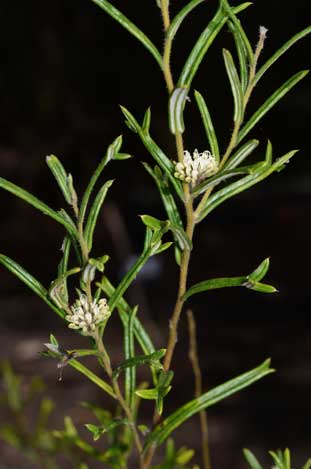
(65, 68)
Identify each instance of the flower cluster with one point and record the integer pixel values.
(195, 168)
(87, 315)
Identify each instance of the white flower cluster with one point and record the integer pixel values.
(87, 316)
(195, 168)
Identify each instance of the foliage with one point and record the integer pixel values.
(190, 188)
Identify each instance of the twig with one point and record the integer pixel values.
(194, 359)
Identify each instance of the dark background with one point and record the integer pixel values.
(65, 67)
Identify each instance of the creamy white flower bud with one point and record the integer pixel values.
(87, 316)
(196, 168)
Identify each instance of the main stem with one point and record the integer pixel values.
(188, 203)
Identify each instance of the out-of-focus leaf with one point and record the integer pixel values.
(98, 431)
(251, 459)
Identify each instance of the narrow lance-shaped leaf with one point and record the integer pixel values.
(129, 352)
(36, 203)
(173, 421)
(208, 125)
(159, 156)
(270, 102)
(242, 55)
(63, 265)
(236, 87)
(131, 28)
(124, 309)
(180, 17)
(152, 360)
(60, 175)
(30, 281)
(94, 212)
(176, 107)
(280, 52)
(243, 46)
(92, 376)
(203, 43)
(242, 153)
(264, 170)
(111, 153)
(249, 281)
(220, 177)
(251, 459)
(167, 197)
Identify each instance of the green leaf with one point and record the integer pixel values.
(131, 28)
(241, 154)
(260, 271)
(262, 288)
(92, 377)
(154, 223)
(111, 153)
(155, 151)
(280, 52)
(176, 108)
(147, 121)
(166, 196)
(60, 175)
(164, 247)
(208, 125)
(30, 281)
(264, 169)
(129, 353)
(94, 212)
(12, 387)
(98, 431)
(214, 284)
(307, 465)
(236, 87)
(165, 428)
(179, 18)
(220, 177)
(124, 310)
(270, 102)
(203, 43)
(36, 203)
(249, 281)
(251, 459)
(152, 360)
(243, 46)
(148, 394)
